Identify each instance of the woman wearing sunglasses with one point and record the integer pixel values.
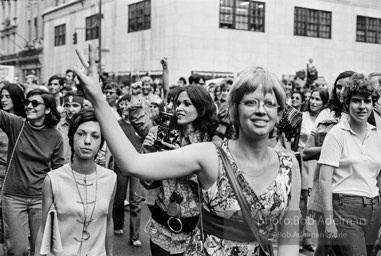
(35, 148)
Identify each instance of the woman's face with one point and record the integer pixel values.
(296, 100)
(340, 88)
(360, 108)
(36, 110)
(87, 140)
(316, 103)
(185, 110)
(218, 92)
(123, 105)
(6, 102)
(225, 92)
(257, 113)
(111, 96)
(288, 87)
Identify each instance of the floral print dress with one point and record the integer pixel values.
(267, 208)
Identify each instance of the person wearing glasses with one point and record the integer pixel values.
(35, 147)
(268, 182)
(82, 192)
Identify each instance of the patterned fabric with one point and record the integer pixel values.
(267, 208)
(187, 188)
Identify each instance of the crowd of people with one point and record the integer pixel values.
(225, 168)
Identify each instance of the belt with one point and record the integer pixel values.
(175, 224)
(359, 199)
(226, 229)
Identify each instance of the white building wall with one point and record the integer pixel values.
(188, 33)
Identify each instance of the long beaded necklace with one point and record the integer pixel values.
(86, 221)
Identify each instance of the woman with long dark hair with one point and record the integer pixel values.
(197, 122)
(330, 115)
(319, 98)
(35, 148)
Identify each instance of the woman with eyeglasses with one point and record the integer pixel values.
(82, 192)
(266, 178)
(297, 100)
(35, 148)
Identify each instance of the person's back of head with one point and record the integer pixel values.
(196, 79)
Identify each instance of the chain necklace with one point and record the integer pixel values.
(86, 221)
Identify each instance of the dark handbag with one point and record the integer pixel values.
(263, 241)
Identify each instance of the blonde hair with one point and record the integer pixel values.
(247, 82)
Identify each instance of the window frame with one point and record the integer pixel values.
(312, 23)
(367, 32)
(60, 35)
(139, 16)
(254, 19)
(91, 27)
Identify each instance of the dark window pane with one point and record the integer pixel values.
(242, 14)
(139, 16)
(60, 35)
(368, 30)
(312, 23)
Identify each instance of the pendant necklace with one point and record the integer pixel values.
(85, 205)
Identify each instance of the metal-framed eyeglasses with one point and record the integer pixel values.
(253, 104)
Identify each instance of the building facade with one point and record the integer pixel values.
(214, 37)
(21, 36)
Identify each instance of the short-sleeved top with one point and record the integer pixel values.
(305, 130)
(267, 208)
(326, 115)
(96, 191)
(357, 164)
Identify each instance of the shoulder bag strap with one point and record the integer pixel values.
(242, 201)
(10, 161)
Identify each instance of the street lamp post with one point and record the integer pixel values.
(100, 37)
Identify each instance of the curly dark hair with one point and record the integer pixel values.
(334, 103)
(207, 120)
(358, 84)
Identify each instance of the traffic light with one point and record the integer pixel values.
(75, 38)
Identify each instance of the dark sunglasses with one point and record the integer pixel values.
(35, 103)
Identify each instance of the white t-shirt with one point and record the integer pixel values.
(357, 164)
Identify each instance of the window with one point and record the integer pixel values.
(92, 27)
(139, 16)
(59, 35)
(242, 14)
(368, 30)
(312, 23)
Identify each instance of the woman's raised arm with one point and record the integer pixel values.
(170, 164)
